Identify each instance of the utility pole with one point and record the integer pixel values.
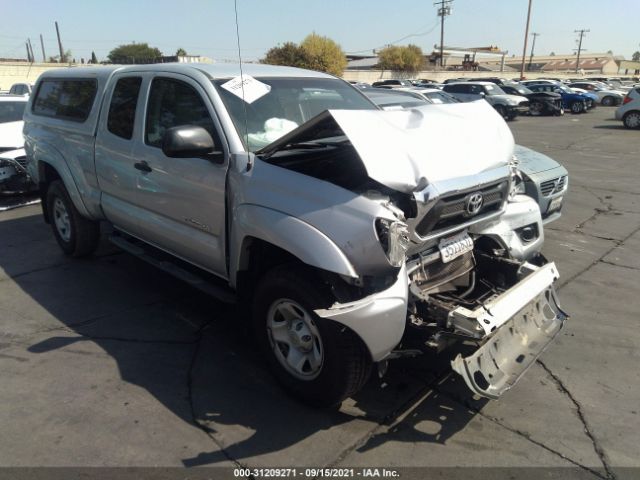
(26, 44)
(581, 32)
(444, 9)
(533, 46)
(526, 37)
(62, 59)
(44, 57)
(33, 57)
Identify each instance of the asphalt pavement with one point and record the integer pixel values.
(108, 362)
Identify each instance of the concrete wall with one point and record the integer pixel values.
(369, 76)
(22, 72)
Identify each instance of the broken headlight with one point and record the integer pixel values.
(394, 239)
(517, 183)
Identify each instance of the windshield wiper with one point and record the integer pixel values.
(303, 146)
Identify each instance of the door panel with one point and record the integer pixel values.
(184, 198)
(114, 146)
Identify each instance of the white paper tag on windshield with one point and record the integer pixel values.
(253, 89)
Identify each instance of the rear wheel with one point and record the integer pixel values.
(608, 101)
(578, 107)
(631, 120)
(76, 235)
(316, 360)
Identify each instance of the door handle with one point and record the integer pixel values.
(142, 166)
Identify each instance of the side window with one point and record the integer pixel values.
(65, 99)
(475, 89)
(122, 112)
(174, 103)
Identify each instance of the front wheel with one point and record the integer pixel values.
(76, 235)
(502, 111)
(316, 360)
(578, 107)
(536, 108)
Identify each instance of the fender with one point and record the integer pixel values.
(43, 153)
(305, 242)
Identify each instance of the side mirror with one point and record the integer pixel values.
(187, 141)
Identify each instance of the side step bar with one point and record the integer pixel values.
(162, 261)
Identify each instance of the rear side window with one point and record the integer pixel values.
(67, 99)
(11, 111)
(122, 112)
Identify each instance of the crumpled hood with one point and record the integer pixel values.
(406, 150)
(11, 134)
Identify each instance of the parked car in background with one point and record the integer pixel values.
(509, 106)
(543, 179)
(394, 99)
(393, 83)
(575, 102)
(540, 103)
(606, 96)
(629, 111)
(21, 89)
(615, 83)
(13, 173)
(434, 95)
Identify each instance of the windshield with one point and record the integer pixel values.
(11, 111)
(440, 97)
(493, 90)
(289, 103)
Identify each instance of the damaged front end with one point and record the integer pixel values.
(13, 172)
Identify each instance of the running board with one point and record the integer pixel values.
(161, 261)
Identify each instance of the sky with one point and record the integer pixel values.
(207, 27)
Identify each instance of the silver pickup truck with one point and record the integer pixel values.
(346, 229)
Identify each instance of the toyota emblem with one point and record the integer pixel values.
(474, 203)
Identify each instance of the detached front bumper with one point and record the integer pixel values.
(518, 325)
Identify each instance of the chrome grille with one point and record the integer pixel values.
(22, 161)
(451, 210)
(553, 186)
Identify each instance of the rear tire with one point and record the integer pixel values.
(76, 235)
(319, 361)
(608, 101)
(631, 120)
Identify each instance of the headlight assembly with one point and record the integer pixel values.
(394, 239)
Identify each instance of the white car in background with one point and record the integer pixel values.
(606, 96)
(629, 111)
(13, 174)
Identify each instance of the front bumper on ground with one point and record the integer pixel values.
(379, 319)
(518, 324)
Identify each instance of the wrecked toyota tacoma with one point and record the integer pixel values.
(344, 229)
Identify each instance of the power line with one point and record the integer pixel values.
(582, 33)
(418, 34)
(443, 10)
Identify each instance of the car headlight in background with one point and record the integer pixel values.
(394, 239)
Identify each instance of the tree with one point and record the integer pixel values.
(289, 54)
(94, 59)
(610, 52)
(134, 53)
(401, 59)
(635, 57)
(56, 59)
(324, 54)
(552, 54)
(181, 52)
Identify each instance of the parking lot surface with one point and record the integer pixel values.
(109, 362)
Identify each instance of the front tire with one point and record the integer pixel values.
(536, 109)
(502, 111)
(578, 107)
(76, 235)
(316, 360)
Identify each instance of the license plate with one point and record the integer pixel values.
(452, 247)
(555, 204)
